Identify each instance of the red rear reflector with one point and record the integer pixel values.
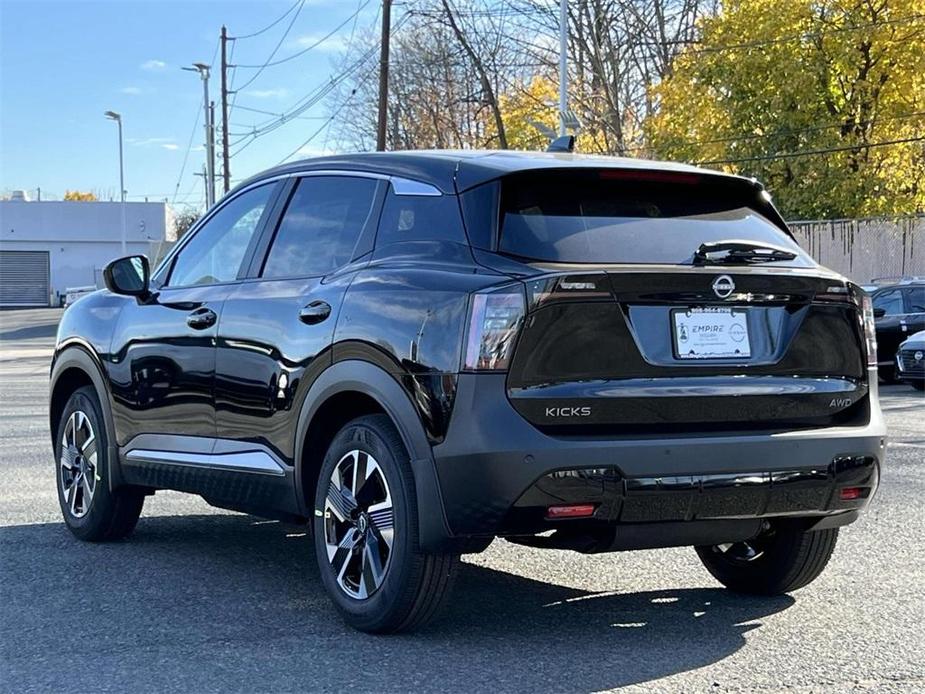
(579, 511)
(850, 493)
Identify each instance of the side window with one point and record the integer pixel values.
(420, 218)
(215, 253)
(891, 302)
(915, 299)
(321, 226)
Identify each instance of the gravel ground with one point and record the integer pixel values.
(205, 600)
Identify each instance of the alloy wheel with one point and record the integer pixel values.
(359, 524)
(78, 464)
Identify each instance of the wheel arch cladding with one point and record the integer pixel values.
(368, 388)
(75, 368)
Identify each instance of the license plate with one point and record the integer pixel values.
(711, 333)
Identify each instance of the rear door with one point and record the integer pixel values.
(276, 328)
(625, 332)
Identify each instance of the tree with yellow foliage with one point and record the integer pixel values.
(822, 100)
(78, 196)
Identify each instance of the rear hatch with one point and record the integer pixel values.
(629, 331)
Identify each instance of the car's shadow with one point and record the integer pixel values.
(228, 602)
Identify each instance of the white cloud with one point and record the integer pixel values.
(334, 44)
(171, 146)
(152, 142)
(278, 93)
(314, 152)
(154, 65)
(134, 91)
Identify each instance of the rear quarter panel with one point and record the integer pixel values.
(407, 314)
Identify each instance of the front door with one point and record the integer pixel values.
(163, 354)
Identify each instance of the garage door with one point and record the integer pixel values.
(24, 278)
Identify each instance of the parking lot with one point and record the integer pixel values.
(201, 599)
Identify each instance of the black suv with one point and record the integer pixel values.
(899, 312)
(418, 352)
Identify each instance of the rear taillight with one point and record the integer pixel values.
(494, 320)
(870, 330)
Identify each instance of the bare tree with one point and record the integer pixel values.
(455, 61)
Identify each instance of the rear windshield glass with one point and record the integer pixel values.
(613, 217)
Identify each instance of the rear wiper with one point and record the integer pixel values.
(735, 252)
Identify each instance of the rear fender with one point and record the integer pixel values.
(363, 377)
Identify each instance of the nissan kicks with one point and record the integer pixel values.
(415, 353)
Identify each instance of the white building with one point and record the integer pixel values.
(47, 247)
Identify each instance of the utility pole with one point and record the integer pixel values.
(226, 166)
(212, 138)
(203, 71)
(384, 75)
(563, 64)
(205, 182)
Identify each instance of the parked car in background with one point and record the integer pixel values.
(414, 353)
(899, 311)
(910, 361)
(72, 294)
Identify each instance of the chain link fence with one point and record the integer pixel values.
(863, 249)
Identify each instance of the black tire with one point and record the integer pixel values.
(888, 375)
(780, 561)
(106, 515)
(415, 584)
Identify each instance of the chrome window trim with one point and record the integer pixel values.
(400, 186)
(407, 186)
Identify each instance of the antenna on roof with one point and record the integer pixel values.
(565, 143)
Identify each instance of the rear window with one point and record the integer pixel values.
(620, 216)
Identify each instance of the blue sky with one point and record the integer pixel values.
(62, 64)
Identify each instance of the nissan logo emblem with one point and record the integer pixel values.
(918, 355)
(723, 286)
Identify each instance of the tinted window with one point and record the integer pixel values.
(321, 226)
(420, 218)
(215, 253)
(915, 299)
(891, 302)
(609, 217)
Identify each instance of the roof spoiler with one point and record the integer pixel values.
(565, 143)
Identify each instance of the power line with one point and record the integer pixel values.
(811, 152)
(332, 117)
(282, 38)
(785, 132)
(271, 24)
(271, 63)
(310, 99)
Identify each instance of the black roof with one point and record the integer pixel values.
(451, 170)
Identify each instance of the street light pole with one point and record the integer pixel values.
(112, 115)
(203, 71)
(563, 64)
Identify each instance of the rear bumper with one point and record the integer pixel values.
(498, 474)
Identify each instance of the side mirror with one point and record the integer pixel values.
(879, 312)
(129, 276)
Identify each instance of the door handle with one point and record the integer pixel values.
(315, 312)
(201, 318)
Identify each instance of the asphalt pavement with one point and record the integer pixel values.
(202, 600)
